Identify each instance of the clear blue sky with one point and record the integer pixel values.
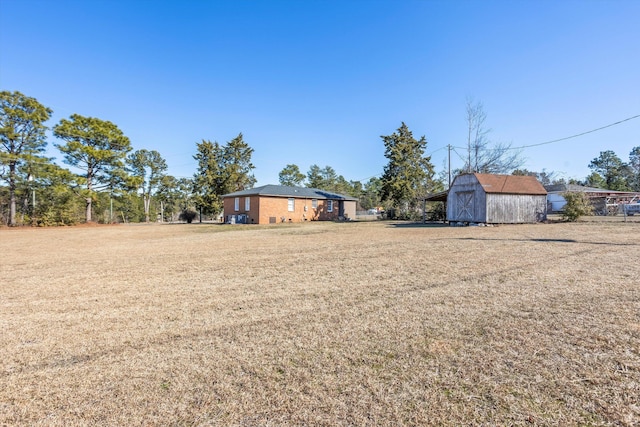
(317, 82)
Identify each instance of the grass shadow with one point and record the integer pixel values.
(546, 241)
(418, 225)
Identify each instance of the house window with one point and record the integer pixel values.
(314, 203)
(329, 205)
(247, 204)
(236, 204)
(291, 205)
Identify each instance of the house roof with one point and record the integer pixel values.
(510, 184)
(561, 188)
(286, 191)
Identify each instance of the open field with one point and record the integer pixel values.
(376, 324)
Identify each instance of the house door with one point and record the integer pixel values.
(341, 209)
(464, 204)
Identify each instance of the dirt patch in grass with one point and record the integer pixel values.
(321, 324)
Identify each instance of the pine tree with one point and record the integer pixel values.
(22, 135)
(148, 167)
(96, 146)
(290, 175)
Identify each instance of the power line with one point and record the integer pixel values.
(454, 150)
(567, 137)
(435, 151)
(577, 135)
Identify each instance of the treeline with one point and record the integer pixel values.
(609, 172)
(612, 173)
(117, 184)
(112, 182)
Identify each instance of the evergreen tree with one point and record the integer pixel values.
(148, 168)
(22, 136)
(237, 166)
(174, 195)
(348, 188)
(370, 198)
(614, 171)
(409, 175)
(595, 180)
(545, 178)
(328, 179)
(634, 169)
(209, 182)
(221, 170)
(290, 175)
(96, 146)
(57, 195)
(314, 177)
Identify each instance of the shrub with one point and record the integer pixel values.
(578, 204)
(438, 212)
(188, 215)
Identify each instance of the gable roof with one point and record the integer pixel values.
(510, 184)
(286, 191)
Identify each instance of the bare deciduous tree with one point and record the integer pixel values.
(483, 155)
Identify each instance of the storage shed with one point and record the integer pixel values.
(496, 199)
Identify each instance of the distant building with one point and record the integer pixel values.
(271, 204)
(496, 199)
(605, 202)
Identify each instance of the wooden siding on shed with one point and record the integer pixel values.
(515, 208)
(465, 185)
(468, 201)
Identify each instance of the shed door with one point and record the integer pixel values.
(464, 202)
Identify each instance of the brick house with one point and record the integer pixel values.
(272, 204)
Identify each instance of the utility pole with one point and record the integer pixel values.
(33, 199)
(449, 147)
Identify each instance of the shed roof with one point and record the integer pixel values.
(287, 191)
(510, 184)
(440, 196)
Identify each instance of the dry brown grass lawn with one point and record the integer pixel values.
(321, 324)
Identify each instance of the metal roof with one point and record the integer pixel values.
(505, 184)
(286, 191)
(510, 184)
(440, 196)
(561, 188)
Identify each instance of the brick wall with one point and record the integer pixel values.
(278, 208)
(266, 210)
(252, 213)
